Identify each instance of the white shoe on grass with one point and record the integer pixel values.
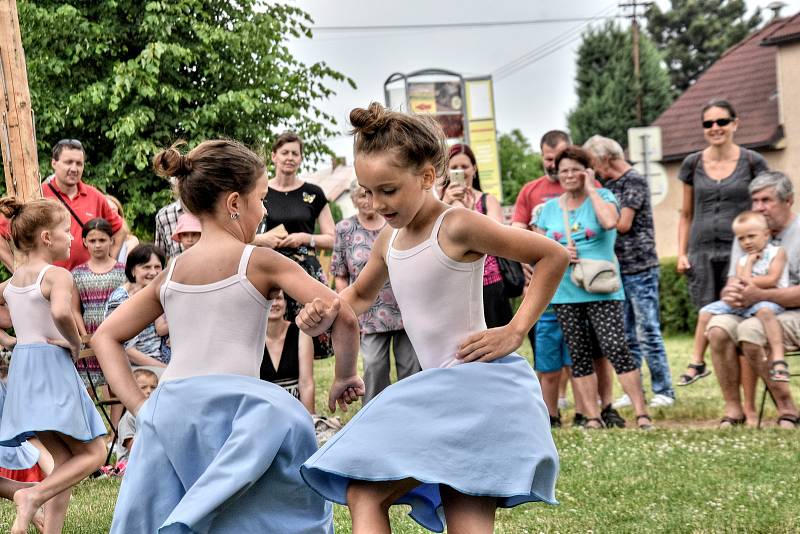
(661, 401)
(622, 402)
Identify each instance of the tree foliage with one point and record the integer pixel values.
(130, 77)
(693, 34)
(519, 164)
(606, 88)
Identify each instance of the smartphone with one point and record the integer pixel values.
(457, 177)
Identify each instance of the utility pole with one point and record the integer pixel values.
(17, 132)
(633, 6)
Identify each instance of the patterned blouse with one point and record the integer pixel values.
(351, 251)
(148, 341)
(94, 290)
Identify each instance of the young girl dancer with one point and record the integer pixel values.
(42, 375)
(219, 450)
(458, 439)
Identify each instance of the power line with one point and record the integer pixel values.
(451, 25)
(550, 47)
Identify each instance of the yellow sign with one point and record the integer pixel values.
(483, 134)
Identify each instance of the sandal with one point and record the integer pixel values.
(789, 419)
(648, 424)
(730, 422)
(779, 375)
(700, 371)
(594, 423)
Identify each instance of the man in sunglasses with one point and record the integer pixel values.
(83, 201)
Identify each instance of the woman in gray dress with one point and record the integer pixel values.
(715, 184)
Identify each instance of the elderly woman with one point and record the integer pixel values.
(298, 207)
(591, 217)
(381, 325)
(144, 263)
(496, 306)
(715, 184)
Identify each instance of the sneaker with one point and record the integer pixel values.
(661, 401)
(579, 421)
(563, 403)
(622, 402)
(555, 421)
(612, 418)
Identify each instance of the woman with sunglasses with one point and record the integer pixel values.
(715, 184)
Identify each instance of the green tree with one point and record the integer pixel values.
(129, 77)
(693, 34)
(519, 164)
(606, 89)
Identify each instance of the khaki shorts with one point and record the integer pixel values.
(752, 331)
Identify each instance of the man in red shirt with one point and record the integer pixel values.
(552, 356)
(85, 201)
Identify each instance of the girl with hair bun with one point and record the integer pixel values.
(42, 374)
(435, 440)
(202, 431)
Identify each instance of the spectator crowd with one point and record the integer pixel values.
(739, 246)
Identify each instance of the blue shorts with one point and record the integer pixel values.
(722, 308)
(551, 351)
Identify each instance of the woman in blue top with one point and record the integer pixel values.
(592, 217)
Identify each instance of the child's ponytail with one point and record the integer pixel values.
(28, 218)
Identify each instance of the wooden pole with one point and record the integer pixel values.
(17, 132)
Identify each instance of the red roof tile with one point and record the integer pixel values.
(788, 30)
(745, 75)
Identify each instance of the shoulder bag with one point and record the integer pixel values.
(510, 270)
(594, 276)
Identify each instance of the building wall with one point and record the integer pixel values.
(786, 158)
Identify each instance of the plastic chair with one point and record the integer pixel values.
(787, 356)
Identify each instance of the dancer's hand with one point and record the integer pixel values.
(345, 391)
(74, 350)
(317, 316)
(7, 341)
(490, 344)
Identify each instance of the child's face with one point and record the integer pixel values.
(147, 384)
(60, 240)
(396, 193)
(98, 244)
(752, 235)
(188, 239)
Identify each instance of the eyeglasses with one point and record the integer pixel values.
(569, 172)
(720, 122)
(70, 142)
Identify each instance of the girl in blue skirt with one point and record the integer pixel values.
(217, 449)
(469, 433)
(45, 395)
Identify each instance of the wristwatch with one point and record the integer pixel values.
(312, 242)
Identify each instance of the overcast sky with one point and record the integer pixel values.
(534, 98)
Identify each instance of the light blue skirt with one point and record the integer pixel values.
(16, 457)
(480, 428)
(45, 393)
(220, 453)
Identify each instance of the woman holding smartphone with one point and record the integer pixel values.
(463, 188)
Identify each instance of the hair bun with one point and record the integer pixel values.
(10, 207)
(370, 120)
(170, 162)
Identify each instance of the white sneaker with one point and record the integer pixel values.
(661, 401)
(563, 403)
(622, 402)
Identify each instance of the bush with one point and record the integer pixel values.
(678, 314)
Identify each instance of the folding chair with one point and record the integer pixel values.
(88, 352)
(788, 355)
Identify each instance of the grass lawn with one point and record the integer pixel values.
(685, 477)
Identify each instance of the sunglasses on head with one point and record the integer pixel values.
(720, 122)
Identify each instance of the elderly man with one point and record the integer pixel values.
(772, 195)
(638, 263)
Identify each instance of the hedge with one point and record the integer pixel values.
(678, 315)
